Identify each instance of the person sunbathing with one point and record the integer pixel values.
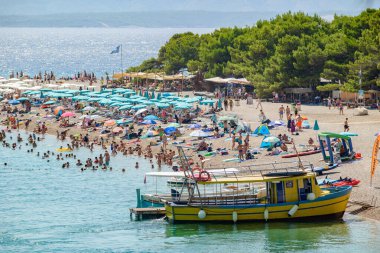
(284, 147)
(202, 146)
(274, 151)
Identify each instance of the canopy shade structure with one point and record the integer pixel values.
(220, 80)
(153, 76)
(298, 90)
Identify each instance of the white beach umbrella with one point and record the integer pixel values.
(141, 111)
(200, 133)
(89, 108)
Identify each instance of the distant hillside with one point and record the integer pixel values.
(139, 19)
(47, 7)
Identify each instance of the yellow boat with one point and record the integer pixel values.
(287, 195)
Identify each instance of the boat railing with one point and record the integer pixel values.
(262, 169)
(248, 199)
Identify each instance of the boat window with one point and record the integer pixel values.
(280, 192)
(306, 189)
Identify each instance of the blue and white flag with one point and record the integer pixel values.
(116, 50)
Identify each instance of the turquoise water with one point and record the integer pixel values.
(69, 50)
(45, 208)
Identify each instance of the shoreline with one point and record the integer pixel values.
(364, 126)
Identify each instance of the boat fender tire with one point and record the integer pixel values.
(310, 196)
(234, 216)
(201, 214)
(293, 210)
(266, 214)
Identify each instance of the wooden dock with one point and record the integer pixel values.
(147, 212)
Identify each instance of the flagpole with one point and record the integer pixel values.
(121, 63)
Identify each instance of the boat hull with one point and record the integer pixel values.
(331, 206)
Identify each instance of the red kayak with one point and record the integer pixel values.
(311, 152)
(351, 182)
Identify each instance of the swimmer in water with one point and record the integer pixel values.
(137, 165)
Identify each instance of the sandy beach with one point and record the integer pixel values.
(328, 120)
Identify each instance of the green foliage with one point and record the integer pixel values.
(291, 50)
(328, 87)
(150, 65)
(178, 51)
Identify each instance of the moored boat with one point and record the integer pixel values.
(286, 197)
(288, 193)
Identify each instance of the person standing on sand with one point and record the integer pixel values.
(259, 104)
(329, 103)
(281, 112)
(233, 139)
(289, 122)
(240, 149)
(231, 104)
(346, 127)
(341, 108)
(287, 111)
(164, 141)
(225, 104)
(292, 126)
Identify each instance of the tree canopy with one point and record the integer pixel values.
(290, 50)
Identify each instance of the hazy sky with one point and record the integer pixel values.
(22, 7)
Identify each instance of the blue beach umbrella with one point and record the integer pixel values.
(13, 102)
(92, 99)
(135, 97)
(50, 102)
(149, 122)
(151, 117)
(80, 98)
(84, 92)
(195, 126)
(125, 107)
(116, 104)
(140, 93)
(162, 105)
(148, 102)
(170, 130)
(105, 102)
(72, 91)
(138, 107)
(146, 94)
(124, 121)
(159, 96)
(22, 99)
(153, 96)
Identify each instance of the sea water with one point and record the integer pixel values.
(69, 50)
(44, 208)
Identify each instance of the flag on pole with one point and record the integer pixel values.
(116, 50)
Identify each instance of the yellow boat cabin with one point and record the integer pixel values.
(258, 196)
